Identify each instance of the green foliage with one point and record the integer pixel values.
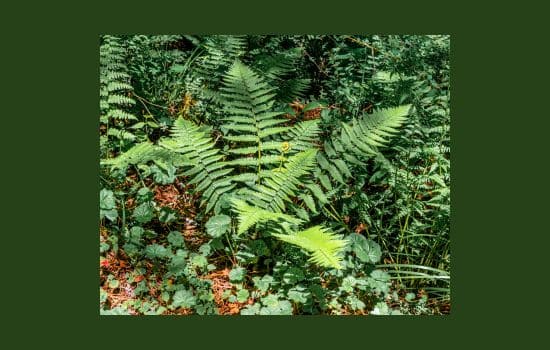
(220, 52)
(277, 68)
(218, 225)
(359, 141)
(323, 245)
(114, 80)
(183, 298)
(366, 250)
(281, 184)
(237, 274)
(115, 88)
(249, 216)
(248, 101)
(202, 160)
(107, 205)
(274, 175)
(141, 153)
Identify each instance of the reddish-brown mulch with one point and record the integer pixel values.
(220, 283)
(178, 197)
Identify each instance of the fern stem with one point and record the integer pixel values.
(259, 160)
(330, 214)
(139, 175)
(142, 99)
(233, 259)
(335, 212)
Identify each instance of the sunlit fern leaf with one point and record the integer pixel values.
(303, 135)
(121, 134)
(115, 86)
(249, 216)
(325, 247)
(281, 184)
(120, 114)
(120, 100)
(372, 130)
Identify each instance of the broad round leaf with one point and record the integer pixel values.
(143, 213)
(184, 298)
(218, 225)
(366, 250)
(237, 274)
(106, 200)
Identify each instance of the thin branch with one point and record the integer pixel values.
(362, 43)
(142, 99)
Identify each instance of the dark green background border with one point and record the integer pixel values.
(51, 159)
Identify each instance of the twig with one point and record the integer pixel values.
(142, 99)
(362, 43)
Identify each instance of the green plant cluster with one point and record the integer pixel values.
(274, 175)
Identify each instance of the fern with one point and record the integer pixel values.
(249, 122)
(324, 246)
(256, 139)
(203, 160)
(302, 136)
(358, 142)
(139, 154)
(114, 80)
(281, 184)
(220, 53)
(371, 131)
(278, 69)
(115, 86)
(249, 216)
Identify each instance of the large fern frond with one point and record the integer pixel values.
(249, 124)
(303, 136)
(357, 142)
(371, 131)
(114, 81)
(204, 161)
(324, 246)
